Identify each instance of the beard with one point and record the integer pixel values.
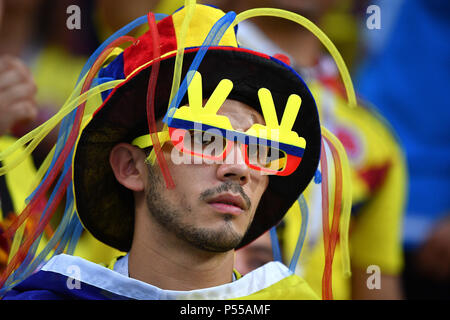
(172, 217)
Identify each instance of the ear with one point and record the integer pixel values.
(127, 163)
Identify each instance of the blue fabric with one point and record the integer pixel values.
(111, 72)
(46, 285)
(408, 81)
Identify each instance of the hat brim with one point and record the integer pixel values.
(106, 208)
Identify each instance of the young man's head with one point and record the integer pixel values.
(245, 97)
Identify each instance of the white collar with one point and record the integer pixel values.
(115, 282)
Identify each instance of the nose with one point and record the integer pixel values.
(234, 167)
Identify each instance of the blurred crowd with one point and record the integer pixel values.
(397, 140)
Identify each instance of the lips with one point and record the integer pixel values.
(228, 203)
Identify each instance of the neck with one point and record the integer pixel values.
(161, 259)
(298, 42)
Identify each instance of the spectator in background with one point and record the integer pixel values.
(17, 105)
(407, 77)
(46, 58)
(36, 33)
(378, 169)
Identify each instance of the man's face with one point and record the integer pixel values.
(212, 205)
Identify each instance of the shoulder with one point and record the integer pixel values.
(65, 277)
(286, 286)
(292, 287)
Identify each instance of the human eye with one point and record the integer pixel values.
(203, 138)
(208, 138)
(257, 153)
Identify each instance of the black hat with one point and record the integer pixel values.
(105, 207)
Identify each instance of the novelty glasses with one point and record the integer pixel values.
(199, 131)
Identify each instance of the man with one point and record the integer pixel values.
(378, 168)
(423, 132)
(179, 220)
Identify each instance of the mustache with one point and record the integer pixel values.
(224, 187)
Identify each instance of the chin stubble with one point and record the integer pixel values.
(172, 216)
